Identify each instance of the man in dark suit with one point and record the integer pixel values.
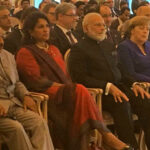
(123, 16)
(93, 64)
(13, 40)
(112, 35)
(24, 4)
(110, 4)
(5, 21)
(61, 35)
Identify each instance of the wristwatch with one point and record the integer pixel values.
(128, 148)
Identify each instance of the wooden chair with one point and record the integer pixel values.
(96, 93)
(41, 102)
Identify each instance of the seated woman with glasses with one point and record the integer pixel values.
(134, 52)
(71, 108)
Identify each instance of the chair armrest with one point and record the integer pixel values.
(41, 101)
(95, 90)
(145, 86)
(97, 94)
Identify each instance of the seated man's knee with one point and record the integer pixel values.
(123, 108)
(16, 126)
(39, 121)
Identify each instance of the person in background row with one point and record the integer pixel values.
(49, 10)
(42, 5)
(112, 35)
(143, 3)
(110, 4)
(80, 8)
(123, 16)
(8, 5)
(93, 3)
(135, 4)
(24, 5)
(123, 4)
(78, 32)
(88, 8)
(5, 21)
(61, 35)
(144, 11)
(13, 40)
(17, 6)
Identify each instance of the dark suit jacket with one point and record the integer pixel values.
(59, 39)
(12, 42)
(18, 14)
(115, 24)
(115, 36)
(78, 32)
(94, 64)
(115, 12)
(149, 37)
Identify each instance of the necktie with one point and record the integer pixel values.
(109, 35)
(70, 37)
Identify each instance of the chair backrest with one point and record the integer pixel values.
(66, 59)
(41, 101)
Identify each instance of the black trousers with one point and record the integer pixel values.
(122, 115)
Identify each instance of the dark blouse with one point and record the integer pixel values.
(133, 61)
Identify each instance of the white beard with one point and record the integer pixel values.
(96, 36)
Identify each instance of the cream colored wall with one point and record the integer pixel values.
(32, 2)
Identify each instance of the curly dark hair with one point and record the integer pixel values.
(29, 24)
(27, 12)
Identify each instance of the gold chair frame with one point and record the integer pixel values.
(41, 102)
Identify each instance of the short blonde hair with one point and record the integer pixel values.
(136, 21)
